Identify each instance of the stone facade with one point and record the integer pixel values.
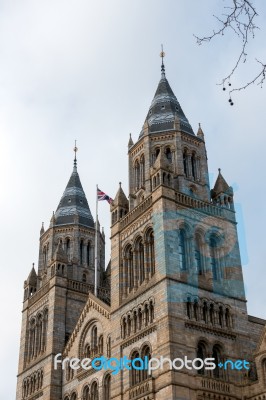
(175, 279)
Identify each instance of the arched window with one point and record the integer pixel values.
(198, 256)
(100, 350)
(185, 163)
(73, 396)
(135, 372)
(201, 353)
(140, 260)
(94, 339)
(94, 391)
(146, 314)
(151, 311)
(194, 166)
(88, 253)
(205, 312)
(145, 354)
(135, 321)
(81, 252)
(140, 318)
(213, 260)
(45, 328)
(108, 346)
(87, 351)
(189, 307)
(182, 250)
(84, 278)
(107, 387)
(221, 316)
(142, 171)
(150, 251)
(168, 154)
(124, 327)
(68, 249)
(86, 393)
(196, 310)
(137, 175)
(216, 354)
(212, 321)
(227, 318)
(130, 270)
(264, 370)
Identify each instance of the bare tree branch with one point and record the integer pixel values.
(240, 19)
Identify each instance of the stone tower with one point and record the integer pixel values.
(55, 295)
(176, 275)
(177, 288)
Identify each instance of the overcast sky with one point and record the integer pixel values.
(88, 70)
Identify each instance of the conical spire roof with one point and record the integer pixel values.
(74, 204)
(221, 186)
(164, 108)
(120, 198)
(32, 278)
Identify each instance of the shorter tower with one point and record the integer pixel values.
(56, 294)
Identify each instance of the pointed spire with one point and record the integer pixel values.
(52, 220)
(42, 229)
(73, 207)
(162, 55)
(165, 109)
(130, 142)
(32, 278)
(75, 159)
(120, 198)
(200, 133)
(221, 186)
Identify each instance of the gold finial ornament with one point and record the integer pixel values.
(162, 54)
(75, 148)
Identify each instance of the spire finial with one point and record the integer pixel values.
(219, 170)
(162, 55)
(75, 159)
(120, 184)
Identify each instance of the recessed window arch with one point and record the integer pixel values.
(135, 372)
(142, 170)
(137, 174)
(213, 257)
(107, 387)
(94, 391)
(198, 254)
(168, 154)
(182, 250)
(217, 355)
(86, 393)
(185, 162)
(145, 354)
(201, 353)
(194, 166)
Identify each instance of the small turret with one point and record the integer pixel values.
(130, 142)
(30, 285)
(42, 229)
(200, 133)
(222, 194)
(120, 205)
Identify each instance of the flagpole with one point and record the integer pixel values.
(96, 245)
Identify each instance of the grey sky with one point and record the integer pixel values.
(88, 71)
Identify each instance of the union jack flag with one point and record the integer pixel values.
(103, 196)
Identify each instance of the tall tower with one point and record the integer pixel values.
(176, 275)
(55, 295)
